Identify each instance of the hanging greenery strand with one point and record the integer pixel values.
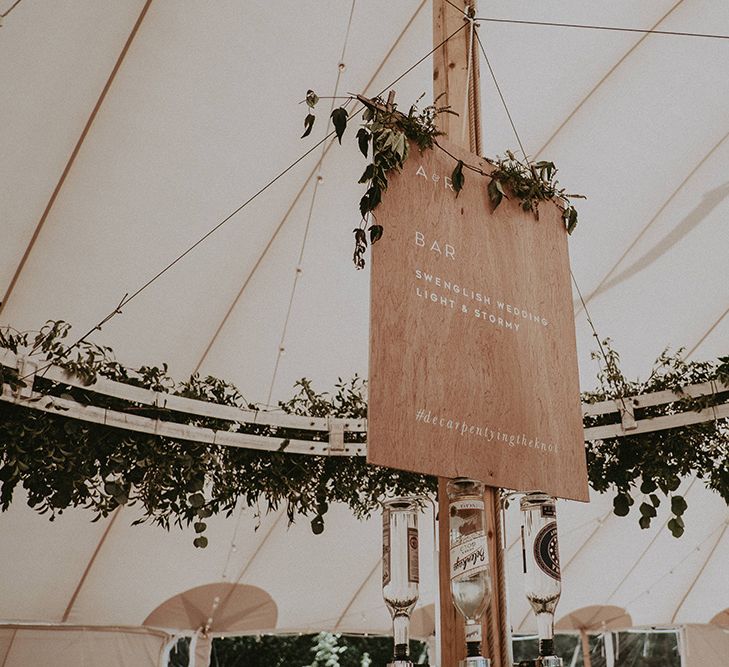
(61, 462)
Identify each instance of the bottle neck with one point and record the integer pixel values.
(401, 632)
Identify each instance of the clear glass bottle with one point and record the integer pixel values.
(469, 558)
(400, 567)
(540, 557)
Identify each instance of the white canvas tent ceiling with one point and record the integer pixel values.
(204, 111)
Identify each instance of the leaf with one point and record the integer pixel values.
(368, 174)
(317, 525)
(284, 444)
(495, 194)
(339, 118)
(648, 486)
(200, 526)
(647, 510)
(363, 139)
(308, 124)
(655, 500)
(676, 528)
(621, 505)
(570, 218)
(311, 98)
(457, 177)
(672, 483)
(196, 500)
(375, 234)
(678, 505)
(644, 522)
(200, 542)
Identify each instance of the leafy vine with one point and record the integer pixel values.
(648, 467)
(62, 462)
(386, 134)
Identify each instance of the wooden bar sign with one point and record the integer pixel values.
(473, 362)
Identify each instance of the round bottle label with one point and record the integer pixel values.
(546, 551)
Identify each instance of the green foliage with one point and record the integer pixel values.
(387, 132)
(648, 467)
(390, 133)
(62, 462)
(530, 184)
(298, 651)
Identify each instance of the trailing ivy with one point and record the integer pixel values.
(62, 462)
(386, 134)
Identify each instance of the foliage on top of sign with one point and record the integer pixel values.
(62, 462)
(384, 134)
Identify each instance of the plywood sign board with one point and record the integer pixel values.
(473, 362)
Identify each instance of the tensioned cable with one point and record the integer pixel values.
(501, 95)
(299, 194)
(128, 298)
(297, 274)
(647, 31)
(10, 9)
(620, 390)
(707, 333)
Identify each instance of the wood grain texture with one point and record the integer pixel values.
(473, 364)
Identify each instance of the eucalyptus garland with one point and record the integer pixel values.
(386, 133)
(62, 462)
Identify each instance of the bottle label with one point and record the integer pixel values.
(549, 511)
(546, 551)
(385, 548)
(471, 504)
(469, 556)
(473, 632)
(413, 562)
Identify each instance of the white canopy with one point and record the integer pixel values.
(119, 154)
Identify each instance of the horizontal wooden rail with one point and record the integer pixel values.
(329, 430)
(327, 433)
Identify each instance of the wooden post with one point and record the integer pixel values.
(458, 86)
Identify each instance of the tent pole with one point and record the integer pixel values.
(586, 660)
(456, 78)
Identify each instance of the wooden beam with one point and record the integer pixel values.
(456, 84)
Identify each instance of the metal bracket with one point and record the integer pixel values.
(27, 369)
(336, 436)
(627, 414)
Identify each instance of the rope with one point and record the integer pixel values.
(503, 100)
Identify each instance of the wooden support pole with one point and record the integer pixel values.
(457, 84)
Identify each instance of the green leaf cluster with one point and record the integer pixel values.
(647, 468)
(61, 462)
(385, 134)
(530, 183)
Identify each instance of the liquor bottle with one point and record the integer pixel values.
(400, 570)
(542, 577)
(469, 560)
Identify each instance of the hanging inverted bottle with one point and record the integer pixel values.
(400, 571)
(542, 576)
(469, 561)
